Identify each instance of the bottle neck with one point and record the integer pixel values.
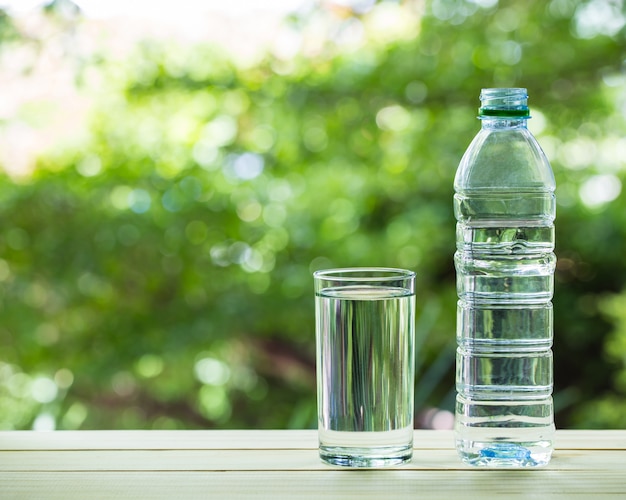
(502, 123)
(503, 108)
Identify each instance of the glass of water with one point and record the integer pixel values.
(365, 330)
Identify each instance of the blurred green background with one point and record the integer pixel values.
(155, 270)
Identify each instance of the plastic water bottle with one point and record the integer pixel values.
(504, 204)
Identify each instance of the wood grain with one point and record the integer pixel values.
(285, 464)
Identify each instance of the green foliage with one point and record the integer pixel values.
(160, 274)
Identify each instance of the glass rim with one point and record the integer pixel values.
(352, 274)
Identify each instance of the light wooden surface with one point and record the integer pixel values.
(285, 464)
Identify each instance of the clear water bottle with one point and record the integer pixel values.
(505, 206)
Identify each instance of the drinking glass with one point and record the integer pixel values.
(365, 331)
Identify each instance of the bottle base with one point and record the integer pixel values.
(504, 454)
(502, 433)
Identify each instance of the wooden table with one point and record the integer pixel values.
(285, 464)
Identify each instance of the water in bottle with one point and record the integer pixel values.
(504, 203)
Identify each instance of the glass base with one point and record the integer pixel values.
(366, 457)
